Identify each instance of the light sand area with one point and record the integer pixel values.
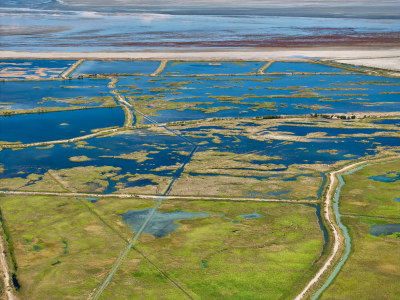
(390, 63)
(381, 57)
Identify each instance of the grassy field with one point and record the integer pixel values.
(368, 197)
(64, 247)
(372, 270)
(225, 255)
(62, 250)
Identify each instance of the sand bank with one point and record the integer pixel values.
(388, 58)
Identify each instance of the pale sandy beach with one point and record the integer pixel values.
(385, 58)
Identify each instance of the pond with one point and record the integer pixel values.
(388, 177)
(52, 93)
(212, 68)
(251, 216)
(90, 67)
(162, 223)
(385, 229)
(31, 128)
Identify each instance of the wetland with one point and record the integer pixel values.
(194, 173)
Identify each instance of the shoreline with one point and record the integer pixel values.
(376, 57)
(259, 53)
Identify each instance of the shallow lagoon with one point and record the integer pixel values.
(33, 69)
(162, 151)
(166, 151)
(113, 67)
(30, 94)
(31, 128)
(212, 68)
(316, 150)
(293, 67)
(248, 96)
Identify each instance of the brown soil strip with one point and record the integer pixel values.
(264, 67)
(160, 68)
(71, 69)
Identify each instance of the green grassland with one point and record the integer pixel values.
(367, 197)
(64, 247)
(372, 270)
(61, 249)
(273, 255)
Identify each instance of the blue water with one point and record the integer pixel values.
(32, 128)
(289, 67)
(389, 177)
(294, 178)
(54, 68)
(321, 225)
(165, 151)
(397, 199)
(388, 122)
(65, 247)
(244, 96)
(252, 216)
(304, 130)
(196, 68)
(204, 264)
(113, 67)
(386, 229)
(30, 94)
(162, 223)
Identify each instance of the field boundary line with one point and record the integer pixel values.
(166, 197)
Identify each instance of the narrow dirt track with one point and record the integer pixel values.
(331, 219)
(9, 290)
